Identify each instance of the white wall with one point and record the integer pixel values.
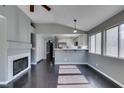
(82, 40)
(39, 47)
(3, 49)
(68, 40)
(38, 53)
(18, 24)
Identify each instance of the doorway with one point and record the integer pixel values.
(33, 43)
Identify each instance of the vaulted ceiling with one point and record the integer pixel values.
(88, 16)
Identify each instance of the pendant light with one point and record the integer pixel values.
(75, 30)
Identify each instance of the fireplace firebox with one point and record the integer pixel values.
(19, 65)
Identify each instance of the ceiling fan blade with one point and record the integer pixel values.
(46, 7)
(31, 8)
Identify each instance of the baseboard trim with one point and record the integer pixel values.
(73, 63)
(37, 62)
(110, 78)
(33, 63)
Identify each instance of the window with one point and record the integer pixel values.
(95, 43)
(112, 42)
(92, 44)
(121, 41)
(98, 43)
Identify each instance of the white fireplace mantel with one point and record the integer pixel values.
(17, 50)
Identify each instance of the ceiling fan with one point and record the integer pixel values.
(44, 6)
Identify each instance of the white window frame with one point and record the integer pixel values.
(95, 44)
(100, 43)
(105, 48)
(119, 48)
(103, 42)
(91, 44)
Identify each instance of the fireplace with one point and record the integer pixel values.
(19, 65)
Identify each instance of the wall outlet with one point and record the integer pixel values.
(96, 65)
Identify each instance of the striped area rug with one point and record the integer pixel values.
(69, 76)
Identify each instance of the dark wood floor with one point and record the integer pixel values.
(43, 75)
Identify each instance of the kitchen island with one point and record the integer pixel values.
(70, 56)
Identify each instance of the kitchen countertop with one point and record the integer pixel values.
(67, 49)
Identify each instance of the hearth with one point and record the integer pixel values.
(19, 65)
